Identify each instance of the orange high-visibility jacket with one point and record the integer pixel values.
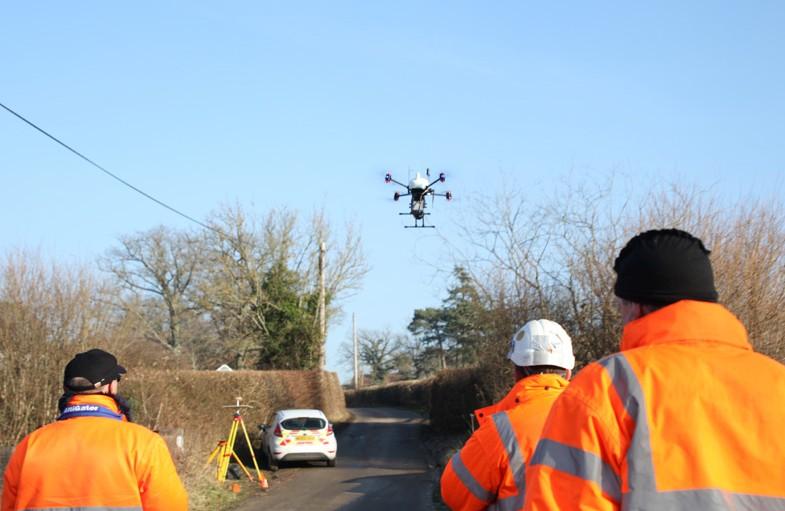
(685, 417)
(92, 463)
(507, 402)
(489, 470)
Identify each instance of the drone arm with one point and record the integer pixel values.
(441, 179)
(398, 183)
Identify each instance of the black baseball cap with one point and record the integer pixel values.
(96, 366)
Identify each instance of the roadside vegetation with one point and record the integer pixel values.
(173, 305)
(529, 256)
(245, 292)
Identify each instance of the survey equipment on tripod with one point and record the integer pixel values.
(224, 452)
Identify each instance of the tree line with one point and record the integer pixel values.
(438, 338)
(244, 292)
(524, 256)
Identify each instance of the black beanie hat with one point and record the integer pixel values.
(96, 366)
(664, 266)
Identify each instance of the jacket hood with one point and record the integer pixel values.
(686, 320)
(518, 393)
(538, 382)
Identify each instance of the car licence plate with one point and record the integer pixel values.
(305, 438)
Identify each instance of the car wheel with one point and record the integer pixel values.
(331, 463)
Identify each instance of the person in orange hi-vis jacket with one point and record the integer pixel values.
(92, 457)
(488, 472)
(686, 417)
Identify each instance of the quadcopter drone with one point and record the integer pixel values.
(419, 189)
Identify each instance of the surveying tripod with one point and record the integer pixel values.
(224, 451)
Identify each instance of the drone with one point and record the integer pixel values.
(419, 189)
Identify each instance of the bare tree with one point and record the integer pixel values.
(380, 352)
(553, 258)
(238, 254)
(248, 258)
(157, 266)
(47, 314)
(747, 240)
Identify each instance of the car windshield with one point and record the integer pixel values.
(303, 423)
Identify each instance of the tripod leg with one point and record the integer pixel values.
(262, 480)
(237, 459)
(218, 448)
(227, 453)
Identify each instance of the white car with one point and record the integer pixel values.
(299, 435)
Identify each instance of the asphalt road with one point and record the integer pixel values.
(381, 465)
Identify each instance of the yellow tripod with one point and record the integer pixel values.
(224, 451)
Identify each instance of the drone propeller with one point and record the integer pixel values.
(441, 179)
(389, 179)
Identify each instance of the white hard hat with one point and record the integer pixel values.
(541, 342)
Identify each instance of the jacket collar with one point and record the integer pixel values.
(686, 320)
(523, 390)
(95, 399)
(525, 387)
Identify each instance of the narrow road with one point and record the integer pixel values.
(381, 465)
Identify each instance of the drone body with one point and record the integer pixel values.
(418, 189)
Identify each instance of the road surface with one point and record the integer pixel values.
(381, 465)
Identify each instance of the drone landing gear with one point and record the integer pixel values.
(419, 223)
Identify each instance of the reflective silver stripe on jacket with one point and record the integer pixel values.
(511, 503)
(572, 460)
(514, 460)
(693, 500)
(640, 467)
(468, 479)
(641, 479)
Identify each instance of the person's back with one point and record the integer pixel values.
(489, 471)
(685, 417)
(94, 462)
(715, 409)
(92, 457)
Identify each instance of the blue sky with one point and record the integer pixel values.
(306, 104)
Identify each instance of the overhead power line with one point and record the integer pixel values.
(118, 178)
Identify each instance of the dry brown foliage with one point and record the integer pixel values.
(48, 313)
(448, 398)
(411, 394)
(553, 258)
(194, 404)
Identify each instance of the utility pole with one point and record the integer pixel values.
(322, 312)
(356, 353)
